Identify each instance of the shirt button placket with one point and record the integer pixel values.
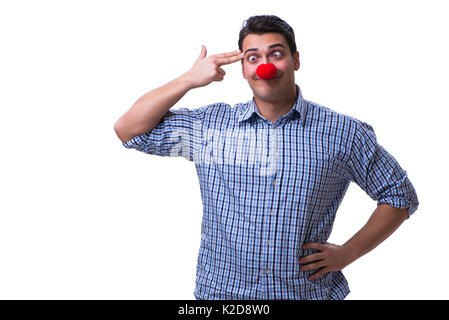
(267, 241)
(272, 212)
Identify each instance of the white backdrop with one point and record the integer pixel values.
(81, 217)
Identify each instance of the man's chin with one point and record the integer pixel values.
(266, 93)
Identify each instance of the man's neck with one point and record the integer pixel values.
(273, 110)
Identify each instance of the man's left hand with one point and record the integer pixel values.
(331, 257)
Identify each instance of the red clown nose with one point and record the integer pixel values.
(266, 71)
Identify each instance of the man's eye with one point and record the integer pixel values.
(277, 54)
(252, 58)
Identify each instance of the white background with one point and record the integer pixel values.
(81, 217)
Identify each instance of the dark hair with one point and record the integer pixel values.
(265, 24)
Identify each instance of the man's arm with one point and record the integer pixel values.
(382, 223)
(146, 112)
(149, 109)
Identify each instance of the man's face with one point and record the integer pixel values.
(269, 48)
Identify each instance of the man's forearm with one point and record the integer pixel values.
(382, 223)
(149, 109)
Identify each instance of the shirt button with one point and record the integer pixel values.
(271, 213)
(274, 182)
(267, 271)
(268, 242)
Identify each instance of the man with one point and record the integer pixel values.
(273, 172)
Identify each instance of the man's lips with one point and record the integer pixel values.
(275, 77)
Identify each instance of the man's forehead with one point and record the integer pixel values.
(263, 41)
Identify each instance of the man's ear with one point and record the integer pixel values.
(296, 61)
(243, 70)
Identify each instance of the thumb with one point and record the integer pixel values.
(203, 52)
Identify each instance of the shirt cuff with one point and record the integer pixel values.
(136, 141)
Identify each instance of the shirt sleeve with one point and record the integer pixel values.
(378, 173)
(178, 134)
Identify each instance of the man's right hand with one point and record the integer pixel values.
(208, 69)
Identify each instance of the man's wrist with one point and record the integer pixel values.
(352, 252)
(186, 80)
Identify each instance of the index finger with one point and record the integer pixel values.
(227, 54)
(313, 246)
(230, 59)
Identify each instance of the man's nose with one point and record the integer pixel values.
(265, 60)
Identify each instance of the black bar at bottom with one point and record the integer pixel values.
(223, 309)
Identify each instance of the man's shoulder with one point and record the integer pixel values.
(222, 110)
(319, 114)
(219, 108)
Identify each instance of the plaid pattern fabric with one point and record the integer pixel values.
(269, 188)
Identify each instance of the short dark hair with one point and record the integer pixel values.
(268, 23)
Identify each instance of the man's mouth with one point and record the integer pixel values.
(274, 78)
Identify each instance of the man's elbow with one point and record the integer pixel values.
(121, 131)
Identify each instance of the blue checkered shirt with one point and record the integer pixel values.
(268, 188)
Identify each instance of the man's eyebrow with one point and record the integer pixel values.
(269, 47)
